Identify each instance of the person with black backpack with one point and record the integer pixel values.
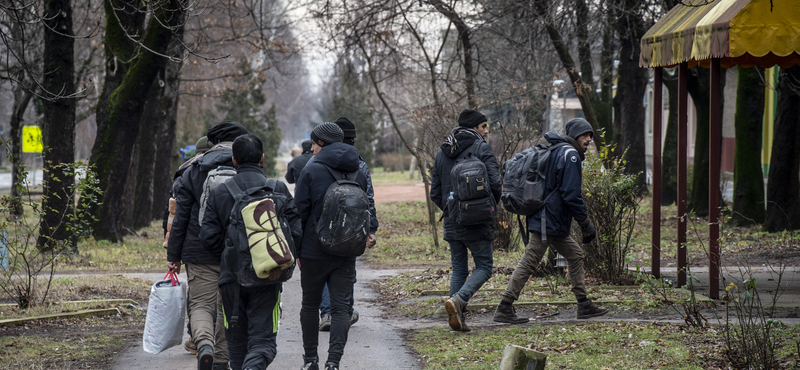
(465, 185)
(202, 268)
(563, 180)
(250, 222)
(335, 212)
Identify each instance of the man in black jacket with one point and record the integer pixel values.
(476, 239)
(317, 267)
(252, 339)
(202, 268)
(297, 164)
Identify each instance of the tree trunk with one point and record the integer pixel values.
(124, 109)
(464, 35)
(699, 85)
(631, 86)
(167, 120)
(59, 128)
(783, 187)
(22, 99)
(146, 144)
(748, 178)
(669, 158)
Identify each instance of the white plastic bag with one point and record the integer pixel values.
(166, 312)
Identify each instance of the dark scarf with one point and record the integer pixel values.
(577, 147)
(459, 139)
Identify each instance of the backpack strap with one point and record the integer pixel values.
(543, 214)
(338, 176)
(233, 188)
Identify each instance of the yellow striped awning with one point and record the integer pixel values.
(740, 32)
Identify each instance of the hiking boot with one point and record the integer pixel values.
(310, 363)
(508, 314)
(354, 317)
(205, 358)
(455, 311)
(189, 346)
(588, 309)
(325, 323)
(331, 366)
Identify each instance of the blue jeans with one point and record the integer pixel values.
(482, 256)
(325, 306)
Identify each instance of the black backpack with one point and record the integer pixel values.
(343, 226)
(525, 178)
(260, 235)
(472, 201)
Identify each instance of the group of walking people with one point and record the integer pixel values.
(233, 323)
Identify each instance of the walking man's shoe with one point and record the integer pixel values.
(354, 317)
(589, 309)
(331, 366)
(221, 366)
(325, 323)
(189, 346)
(455, 311)
(508, 314)
(310, 363)
(205, 358)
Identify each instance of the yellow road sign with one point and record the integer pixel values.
(32, 139)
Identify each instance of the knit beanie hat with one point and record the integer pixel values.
(327, 132)
(306, 146)
(203, 144)
(470, 118)
(225, 131)
(577, 127)
(348, 127)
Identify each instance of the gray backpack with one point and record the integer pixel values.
(215, 177)
(524, 180)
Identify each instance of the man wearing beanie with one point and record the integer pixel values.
(318, 268)
(298, 163)
(184, 245)
(565, 205)
(350, 134)
(465, 140)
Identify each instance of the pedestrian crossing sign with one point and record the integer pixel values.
(32, 139)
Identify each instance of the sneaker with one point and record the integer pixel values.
(325, 323)
(353, 317)
(205, 358)
(189, 346)
(508, 314)
(588, 309)
(331, 366)
(455, 311)
(221, 366)
(310, 363)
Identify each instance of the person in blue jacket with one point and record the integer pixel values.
(559, 211)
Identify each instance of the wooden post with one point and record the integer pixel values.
(655, 265)
(683, 95)
(713, 181)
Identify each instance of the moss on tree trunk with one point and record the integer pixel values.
(748, 178)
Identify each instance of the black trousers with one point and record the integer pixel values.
(340, 277)
(252, 338)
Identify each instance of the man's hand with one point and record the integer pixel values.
(298, 264)
(371, 241)
(588, 231)
(174, 266)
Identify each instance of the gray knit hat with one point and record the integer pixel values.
(577, 127)
(327, 132)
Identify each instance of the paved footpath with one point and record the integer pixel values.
(373, 343)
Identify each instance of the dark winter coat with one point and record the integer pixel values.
(441, 185)
(364, 169)
(567, 203)
(184, 238)
(296, 166)
(218, 212)
(310, 191)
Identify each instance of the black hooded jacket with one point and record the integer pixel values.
(184, 238)
(310, 189)
(296, 166)
(218, 212)
(460, 140)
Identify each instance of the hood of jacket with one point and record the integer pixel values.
(460, 139)
(554, 138)
(213, 158)
(339, 156)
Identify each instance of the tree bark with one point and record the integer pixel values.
(146, 147)
(699, 84)
(165, 134)
(669, 158)
(783, 187)
(58, 132)
(124, 109)
(22, 99)
(748, 178)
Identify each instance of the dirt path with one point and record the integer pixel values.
(399, 193)
(374, 342)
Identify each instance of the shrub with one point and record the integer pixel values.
(612, 200)
(392, 162)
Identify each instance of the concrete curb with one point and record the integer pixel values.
(77, 314)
